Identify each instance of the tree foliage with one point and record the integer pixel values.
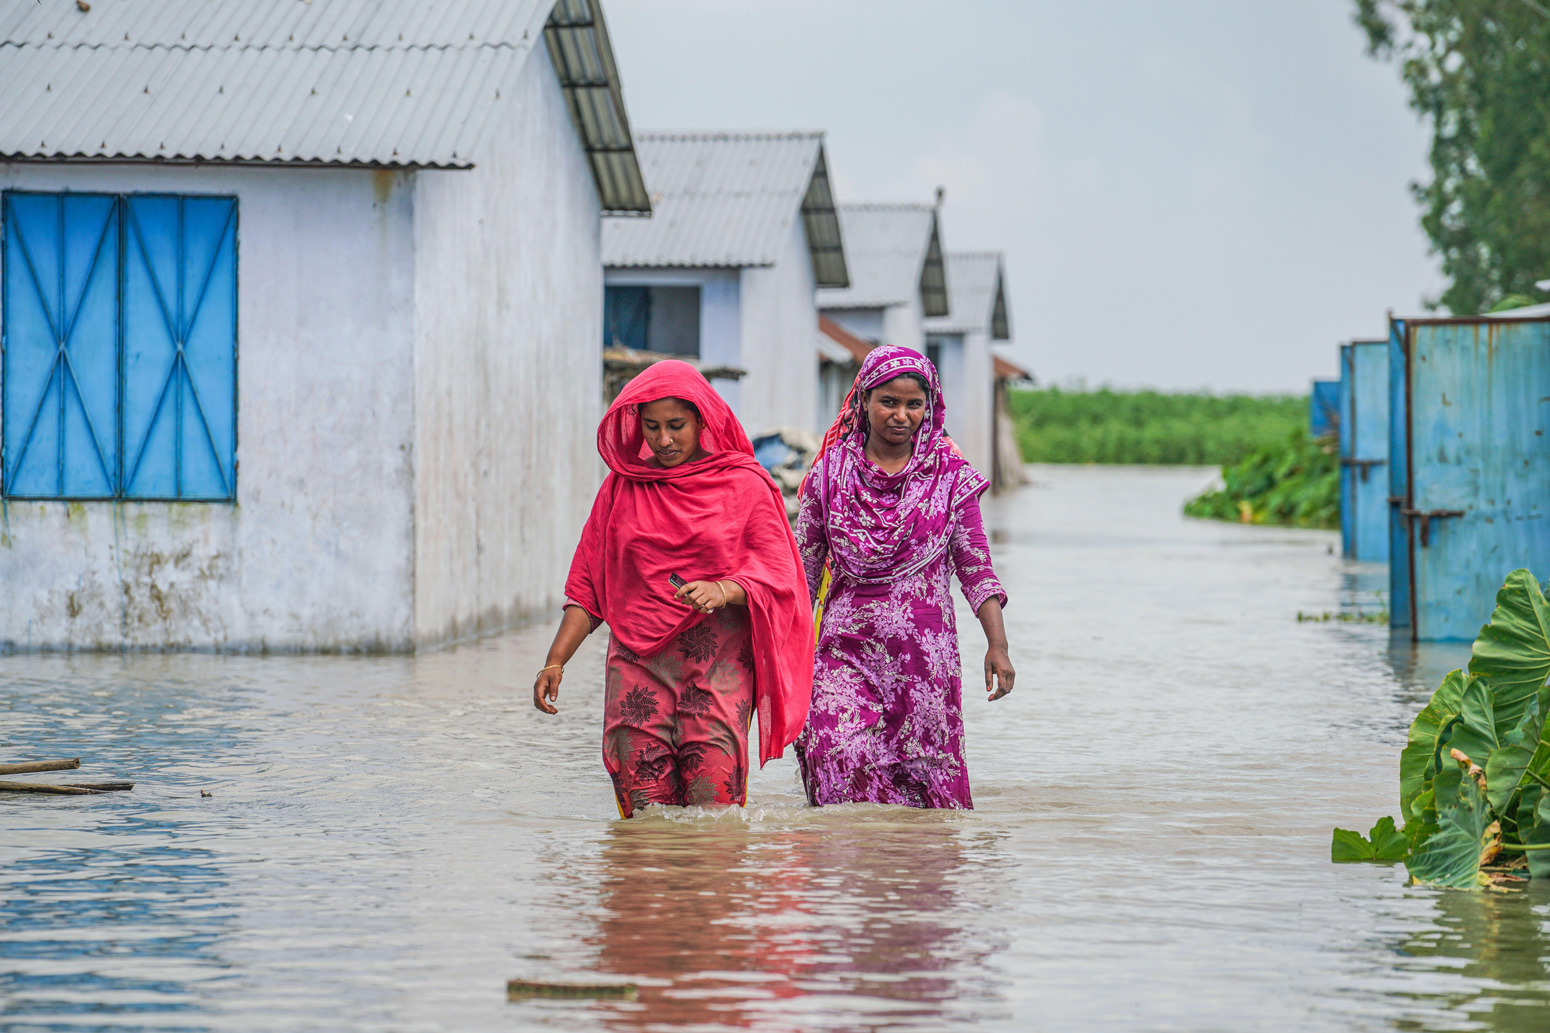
(1478, 72)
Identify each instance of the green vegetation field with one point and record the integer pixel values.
(1272, 472)
(1060, 426)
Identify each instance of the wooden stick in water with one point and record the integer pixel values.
(521, 989)
(40, 787)
(102, 787)
(40, 765)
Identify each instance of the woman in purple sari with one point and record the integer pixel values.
(892, 510)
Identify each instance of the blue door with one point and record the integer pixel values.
(1364, 460)
(1477, 452)
(180, 357)
(61, 257)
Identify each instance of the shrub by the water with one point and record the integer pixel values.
(1295, 482)
(1151, 427)
(1474, 779)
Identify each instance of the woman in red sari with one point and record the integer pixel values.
(689, 560)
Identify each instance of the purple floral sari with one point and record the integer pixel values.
(886, 721)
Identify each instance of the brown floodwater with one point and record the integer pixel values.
(388, 840)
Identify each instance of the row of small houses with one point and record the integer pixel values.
(306, 303)
(1444, 439)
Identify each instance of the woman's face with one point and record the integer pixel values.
(894, 410)
(672, 431)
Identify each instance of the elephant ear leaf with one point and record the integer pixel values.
(1513, 650)
(1420, 760)
(1474, 734)
(1384, 844)
(1537, 833)
(1466, 830)
(1522, 760)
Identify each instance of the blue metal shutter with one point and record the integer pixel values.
(61, 257)
(180, 347)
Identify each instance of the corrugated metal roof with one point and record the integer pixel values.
(729, 199)
(583, 58)
(977, 296)
(351, 82)
(894, 251)
(286, 24)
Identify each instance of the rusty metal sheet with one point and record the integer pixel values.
(1474, 497)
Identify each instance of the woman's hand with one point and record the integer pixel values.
(709, 596)
(998, 669)
(999, 674)
(546, 689)
(574, 628)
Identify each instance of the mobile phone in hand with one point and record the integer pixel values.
(676, 581)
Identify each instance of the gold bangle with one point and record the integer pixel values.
(724, 596)
(551, 667)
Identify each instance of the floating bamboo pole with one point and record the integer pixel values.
(102, 787)
(40, 765)
(42, 787)
(521, 989)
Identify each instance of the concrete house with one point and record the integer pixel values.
(897, 275)
(744, 229)
(960, 345)
(300, 303)
(840, 354)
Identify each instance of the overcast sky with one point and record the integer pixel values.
(1197, 193)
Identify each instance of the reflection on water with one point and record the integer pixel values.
(1498, 944)
(389, 839)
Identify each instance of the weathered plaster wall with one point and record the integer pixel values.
(508, 324)
(779, 319)
(315, 553)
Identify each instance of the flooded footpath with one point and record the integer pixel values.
(388, 840)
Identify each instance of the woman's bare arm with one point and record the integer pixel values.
(574, 628)
(999, 674)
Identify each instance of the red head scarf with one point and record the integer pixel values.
(718, 518)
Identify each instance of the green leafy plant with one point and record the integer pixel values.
(1474, 776)
(1384, 844)
(1294, 482)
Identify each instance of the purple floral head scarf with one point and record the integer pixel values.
(882, 526)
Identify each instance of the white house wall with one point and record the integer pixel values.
(967, 384)
(508, 373)
(903, 325)
(899, 324)
(779, 318)
(865, 323)
(315, 553)
(721, 320)
(978, 401)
